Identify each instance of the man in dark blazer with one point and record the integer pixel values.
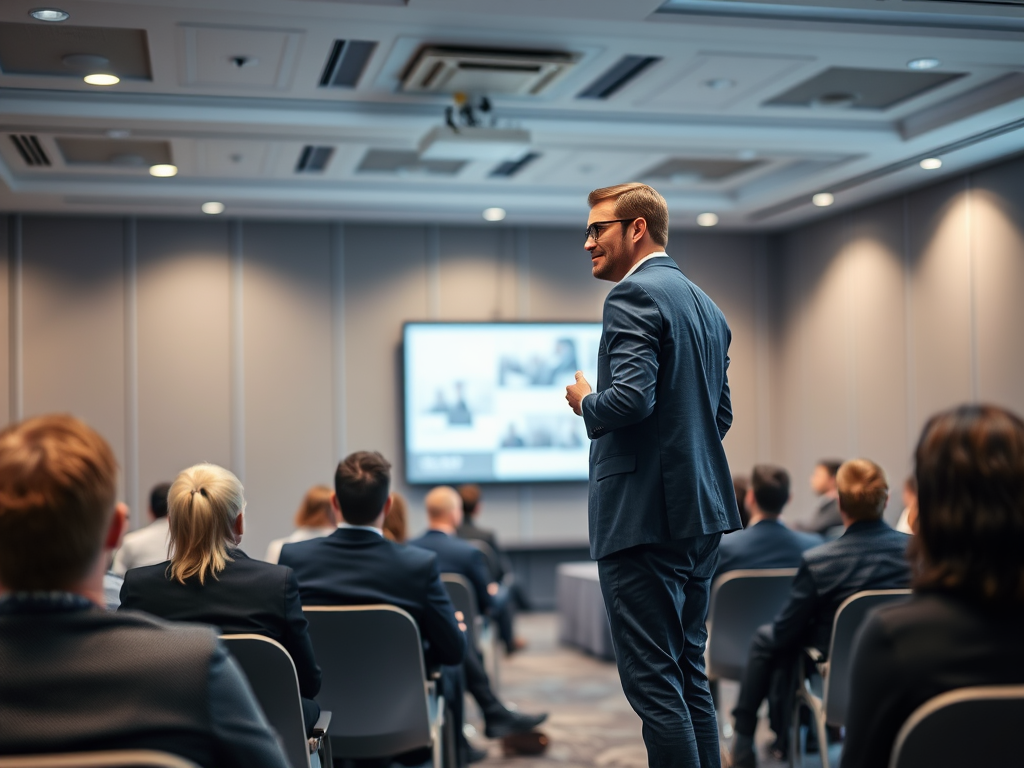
(765, 542)
(444, 511)
(869, 555)
(74, 677)
(660, 487)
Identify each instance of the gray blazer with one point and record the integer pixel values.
(658, 471)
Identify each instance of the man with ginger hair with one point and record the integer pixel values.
(869, 555)
(661, 493)
(74, 677)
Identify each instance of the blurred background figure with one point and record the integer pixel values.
(826, 519)
(908, 517)
(314, 519)
(396, 522)
(740, 485)
(148, 545)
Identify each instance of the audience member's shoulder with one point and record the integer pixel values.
(147, 573)
(142, 624)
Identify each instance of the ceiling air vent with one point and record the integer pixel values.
(484, 72)
(30, 150)
(512, 167)
(346, 63)
(314, 159)
(622, 72)
(405, 163)
(694, 170)
(849, 88)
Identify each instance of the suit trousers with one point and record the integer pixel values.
(770, 672)
(657, 598)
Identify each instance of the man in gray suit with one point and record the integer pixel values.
(661, 492)
(73, 677)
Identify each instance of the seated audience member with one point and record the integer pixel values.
(147, 545)
(823, 482)
(74, 677)
(209, 580)
(356, 565)
(444, 512)
(740, 486)
(869, 555)
(965, 622)
(908, 517)
(396, 524)
(765, 542)
(315, 518)
(112, 590)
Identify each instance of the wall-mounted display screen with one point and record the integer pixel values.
(485, 402)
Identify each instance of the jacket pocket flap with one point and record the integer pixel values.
(616, 465)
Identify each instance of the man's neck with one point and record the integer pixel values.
(756, 516)
(442, 527)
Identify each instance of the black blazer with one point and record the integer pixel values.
(355, 566)
(870, 555)
(248, 596)
(658, 471)
(457, 556)
(767, 544)
(908, 653)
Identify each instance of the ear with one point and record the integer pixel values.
(334, 503)
(239, 525)
(639, 229)
(387, 505)
(117, 528)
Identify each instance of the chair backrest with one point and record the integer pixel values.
(968, 726)
(851, 614)
(741, 601)
(272, 677)
(461, 593)
(493, 561)
(126, 758)
(374, 679)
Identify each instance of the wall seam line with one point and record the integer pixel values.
(338, 310)
(237, 345)
(131, 370)
(17, 357)
(972, 301)
(908, 328)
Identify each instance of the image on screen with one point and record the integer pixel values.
(485, 402)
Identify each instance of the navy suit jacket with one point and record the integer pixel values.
(247, 597)
(767, 544)
(353, 566)
(457, 556)
(658, 471)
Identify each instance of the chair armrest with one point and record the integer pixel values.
(322, 723)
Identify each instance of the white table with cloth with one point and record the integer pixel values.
(583, 620)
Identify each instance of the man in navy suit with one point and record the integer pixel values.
(765, 542)
(660, 488)
(444, 513)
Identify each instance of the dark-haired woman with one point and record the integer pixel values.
(964, 625)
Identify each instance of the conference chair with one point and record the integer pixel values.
(272, 677)
(480, 633)
(126, 758)
(375, 683)
(968, 726)
(823, 684)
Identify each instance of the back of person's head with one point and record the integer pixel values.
(158, 500)
(57, 494)
(740, 485)
(362, 483)
(396, 523)
(771, 488)
(970, 496)
(831, 466)
(204, 503)
(470, 495)
(316, 510)
(633, 201)
(863, 489)
(444, 505)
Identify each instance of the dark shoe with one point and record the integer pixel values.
(499, 726)
(743, 755)
(531, 744)
(471, 754)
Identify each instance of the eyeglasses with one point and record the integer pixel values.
(595, 229)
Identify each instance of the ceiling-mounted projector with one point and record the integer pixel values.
(474, 143)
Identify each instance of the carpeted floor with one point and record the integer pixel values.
(590, 722)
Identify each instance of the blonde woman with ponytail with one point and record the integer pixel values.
(210, 580)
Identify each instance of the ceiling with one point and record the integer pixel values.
(335, 109)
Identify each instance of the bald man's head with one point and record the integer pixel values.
(444, 507)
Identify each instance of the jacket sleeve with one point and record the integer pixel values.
(632, 341)
(794, 619)
(241, 734)
(444, 642)
(296, 639)
(723, 416)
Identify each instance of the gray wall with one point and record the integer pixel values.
(272, 348)
(889, 313)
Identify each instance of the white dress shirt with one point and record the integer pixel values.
(146, 546)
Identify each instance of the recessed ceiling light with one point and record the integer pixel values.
(163, 170)
(923, 63)
(49, 14)
(102, 79)
(720, 83)
(823, 199)
(494, 214)
(213, 208)
(931, 163)
(707, 219)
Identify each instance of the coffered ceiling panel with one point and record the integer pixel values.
(239, 57)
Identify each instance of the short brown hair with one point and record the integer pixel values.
(863, 489)
(633, 201)
(470, 495)
(970, 492)
(361, 483)
(57, 491)
(315, 510)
